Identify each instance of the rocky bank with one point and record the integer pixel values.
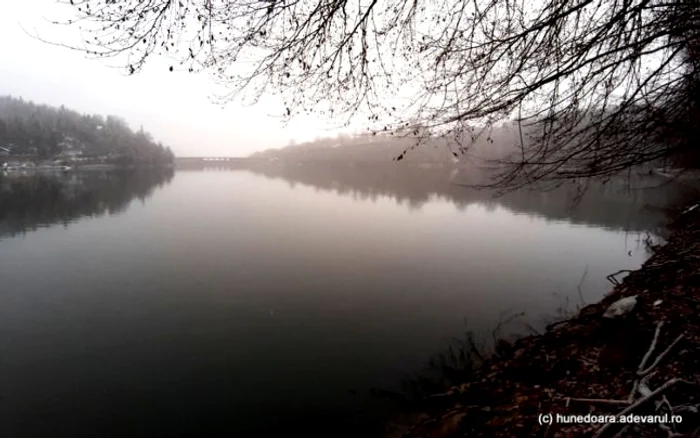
(590, 363)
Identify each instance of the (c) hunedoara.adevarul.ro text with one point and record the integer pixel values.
(604, 419)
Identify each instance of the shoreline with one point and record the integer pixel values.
(588, 364)
(79, 168)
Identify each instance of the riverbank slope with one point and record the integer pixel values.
(590, 363)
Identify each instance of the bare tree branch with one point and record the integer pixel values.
(595, 86)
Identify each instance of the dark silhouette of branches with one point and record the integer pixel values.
(596, 86)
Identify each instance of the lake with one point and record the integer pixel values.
(208, 301)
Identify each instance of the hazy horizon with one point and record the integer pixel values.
(174, 106)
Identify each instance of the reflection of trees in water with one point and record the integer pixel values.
(28, 202)
(612, 205)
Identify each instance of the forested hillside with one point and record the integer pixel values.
(44, 132)
(496, 144)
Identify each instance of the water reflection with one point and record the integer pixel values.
(31, 201)
(636, 204)
(234, 305)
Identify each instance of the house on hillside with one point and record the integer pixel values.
(70, 154)
(114, 156)
(71, 149)
(68, 142)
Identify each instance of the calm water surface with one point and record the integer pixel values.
(232, 303)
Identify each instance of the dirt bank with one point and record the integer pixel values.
(592, 357)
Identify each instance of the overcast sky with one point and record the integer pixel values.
(175, 107)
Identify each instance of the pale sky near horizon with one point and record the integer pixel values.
(175, 107)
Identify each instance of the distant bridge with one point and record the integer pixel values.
(208, 159)
(218, 162)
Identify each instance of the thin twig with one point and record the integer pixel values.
(661, 356)
(643, 384)
(599, 433)
(578, 287)
(643, 389)
(662, 264)
(690, 209)
(612, 277)
(634, 391)
(665, 401)
(599, 400)
(495, 334)
(651, 347)
(554, 324)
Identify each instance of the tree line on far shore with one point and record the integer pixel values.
(44, 132)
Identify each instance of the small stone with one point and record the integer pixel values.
(621, 307)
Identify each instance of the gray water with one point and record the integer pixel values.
(212, 302)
